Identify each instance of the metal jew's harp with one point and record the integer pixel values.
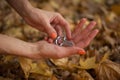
(62, 41)
(67, 43)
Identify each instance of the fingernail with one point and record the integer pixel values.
(53, 35)
(82, 52)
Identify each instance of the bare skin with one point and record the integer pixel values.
(83, 37)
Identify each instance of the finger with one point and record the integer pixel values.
(85, 32)
(88, 39)
(50, 40)
(73, 50)
(67, 30)
(91, 36)
(88, 28)
(45, 38)
(67, 51)
(58, 30)
(78, 28)
(63, 23)
(50, 30)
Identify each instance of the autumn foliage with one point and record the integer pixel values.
(102, 59)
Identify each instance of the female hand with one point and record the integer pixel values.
(82, 37)
(43, 49)
(49, 22)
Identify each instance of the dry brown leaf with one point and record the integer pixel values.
(108, 70)
(83, 75)
(39, 67)
(53, 78)
(116, 8)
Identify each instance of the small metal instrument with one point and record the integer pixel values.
(62, 41)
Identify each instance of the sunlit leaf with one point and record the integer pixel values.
(39, 67)
(89, 63)
(60, 62)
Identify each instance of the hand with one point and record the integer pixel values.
(49, 22)
(82, 37)
(43, 49)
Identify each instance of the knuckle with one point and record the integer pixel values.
(58, 14)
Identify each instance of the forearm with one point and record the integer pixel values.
(23, 7)
(14, 46)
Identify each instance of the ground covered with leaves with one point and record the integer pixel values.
(102, 61)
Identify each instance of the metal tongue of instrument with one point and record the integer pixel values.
(62, 41)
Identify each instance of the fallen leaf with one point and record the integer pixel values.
(83, 75)
(39, 67)
(116, 8)
(89, 63)
(108, 70)
(60, 62)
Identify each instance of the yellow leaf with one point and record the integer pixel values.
(26, 66)
(60, 62)
(89, 63)
(30, 66)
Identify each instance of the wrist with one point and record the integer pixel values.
(27, 9)
(28, 51)
(23, 7)
(32, 52)
(36, 50)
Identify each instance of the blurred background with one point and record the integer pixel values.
(107, 15)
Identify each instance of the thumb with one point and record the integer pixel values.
(74, 50)
(67, 51)
(50, 31)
